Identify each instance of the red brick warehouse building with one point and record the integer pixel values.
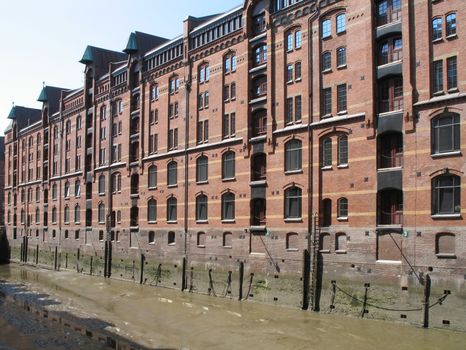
(222, 143)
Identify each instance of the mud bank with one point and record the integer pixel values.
(128, 313)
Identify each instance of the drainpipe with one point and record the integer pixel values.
(186, 156)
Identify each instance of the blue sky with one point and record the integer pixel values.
(44, 40)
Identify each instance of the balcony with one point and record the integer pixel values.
(390, 151)
(390, 207)
(258, 169)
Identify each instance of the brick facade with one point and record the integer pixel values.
(336, 104)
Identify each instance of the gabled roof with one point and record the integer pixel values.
(101, 58)
(142, 42)
(51, 95)
(24, 116)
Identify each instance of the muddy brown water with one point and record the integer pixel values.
(164, 318)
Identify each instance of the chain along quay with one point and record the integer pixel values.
(119, 314)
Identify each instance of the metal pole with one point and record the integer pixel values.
(241, 276)
(426, 301)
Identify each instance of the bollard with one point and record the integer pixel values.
(191, 280)
(77, 260)
(143, 259)
(90, 271)
(55, 259)
(241, 276)
(364, 305)
(183, 276)
(109, 263)
(426, 301)
(306, 278)
(21, 252)
(66, 260)
(105, 259)
(132, 277)
(37, 254)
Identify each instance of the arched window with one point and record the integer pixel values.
(260, 54)
(292, 241)
(343, 150)
(54, 191)
(326, 152)
(228, 165)
(172, 209)
(77, 214)
(151, 237)
(450, 24)
(228, 206)
(204, 73)
(201, 239)
(78, 122)
(152, 211)
(54, 215)
(227, 240)
(229, 63)
(326, 28)
(152, 174)
(341, 23)
(101, 213)
(446, 195)
(172, 173)
(437, 28)
(340, 242)
(326, 61)
(116, 182)
(445, 245)
(342, 208)
(66, 215)
(202, 169)
(293, 155)
(23, 216)
(201, 208)
(171, 238)
(23, 196)
(37, 219)
(446, 134)
(293, 203)
(77, 188)
(102, 184)
(259, 86)
(341, 57)
(326, 212)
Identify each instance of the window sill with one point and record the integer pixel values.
(228, 221)
(343, 66)
(439, 40)
(294, 172)
(171, 244)
(202, 182)
(292, 249)
(445, 256)
(172, 186)
(340, 251)
(227, 247)
(446, 154)
(294, 220)
(324, 251)
(328, 37)
(152, 222)
(152, 188)
(325, 116)
(172, 222)
(388, 262)
(446, 216)
(201, 246)
(438, 93)
(343, 166)
(202, 221)
(342, 112)
(342, 218)
(326, 168)
(343, 32)
(229, 179)
(289, 82)
(451, 36)
(326, 71)
(297, 80)
(453, 90)
(151, 243)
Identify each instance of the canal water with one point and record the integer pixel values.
(163, 318)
